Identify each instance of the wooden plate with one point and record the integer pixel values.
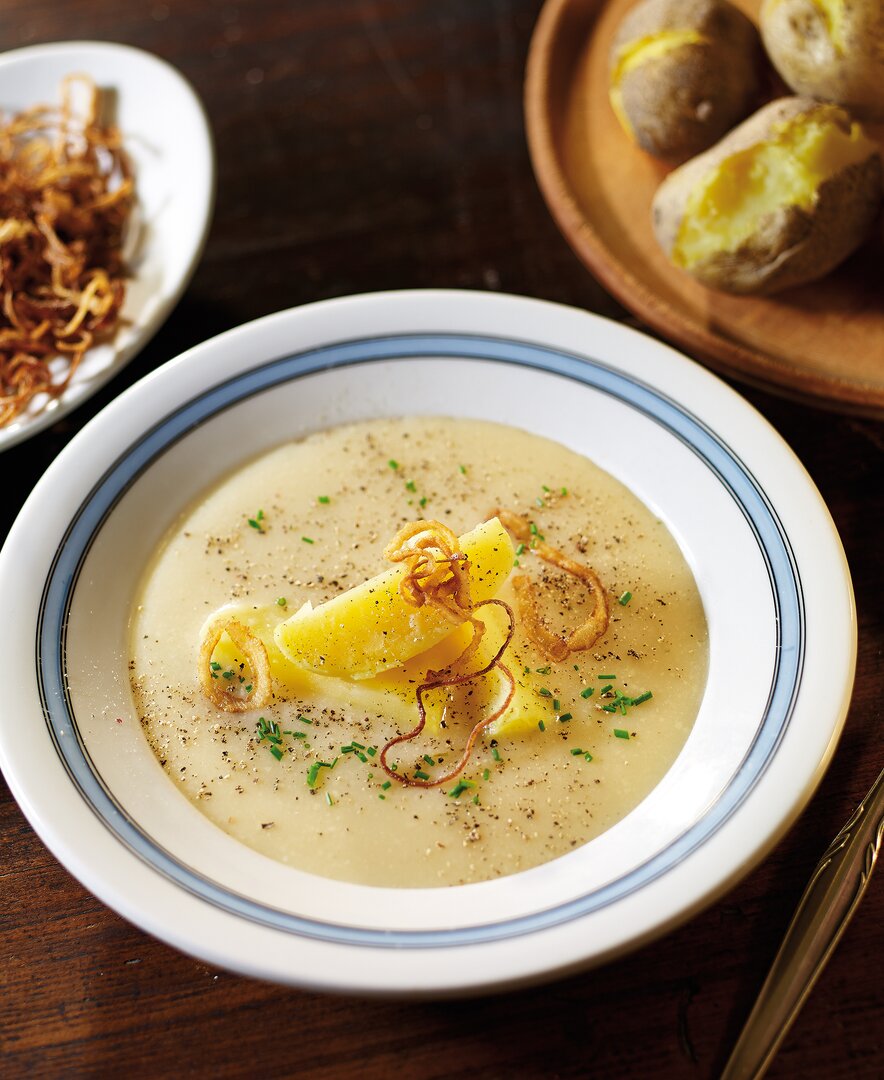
(822, 343)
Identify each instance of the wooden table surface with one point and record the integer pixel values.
(378, 144)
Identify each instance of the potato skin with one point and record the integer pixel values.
(797, 40)
(790, 246)
(681, 103)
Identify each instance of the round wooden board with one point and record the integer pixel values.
(822, 343)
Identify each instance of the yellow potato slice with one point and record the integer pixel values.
(371, 628)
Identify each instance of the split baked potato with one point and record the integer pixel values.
(682, 72)
(780, 201)
(829, 49)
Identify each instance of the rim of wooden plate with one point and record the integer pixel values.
(559, 39)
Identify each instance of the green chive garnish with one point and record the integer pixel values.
(410, 485)
(495, 754)
(608, 677)
(277, 753)
(587, 757)
(543, 670)
(307, 540)
(541, 725)
(642, 697)
(281, 600)
(324, 499)
(460, 788)
(393, 464)
(621, 733)
(624, 598)
(576, 752)
(421, 775)
(588, 692)
(387, 784)
(423, 500)
(329, 799)
(429, 760)
(564, 718)
(305, 719)
(544, 692)
(463, 469)
(486, 774)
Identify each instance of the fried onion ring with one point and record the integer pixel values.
(551, 645)
(438, 573)
(438, 680)
(253, 650)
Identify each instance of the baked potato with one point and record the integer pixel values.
(682, 72)
(781, 200)
(829, 49)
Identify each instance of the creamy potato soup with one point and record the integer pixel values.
(295, 771)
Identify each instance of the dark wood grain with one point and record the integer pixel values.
(374, 145)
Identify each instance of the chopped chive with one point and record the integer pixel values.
(356, 745)
(624, 598)
(576, 752)
(588, 692)
(495, 753)
(486, 774)
(382, 797)
(323, 499)
(329, 799)
(476, 799)
(460, 788)
(277, 753)
(305, 719)
(587, 757)
(361, 756)
(423, 500)
(642, 697)
(387, 784)
(545, 488)
(299, 734)
(564, 491)
(621, 733)
(532, 528)
(281, 600)
(215, 666)
(556, 704)
(393, 464)
(463, 469)
(564, 718)
(609, 708)
(543, 670)
(410, 485)
(395, 766)
(312, 774)
(371, 751)
(429, 760)
(541, 725)
(605, 691)
(544, 692)
(421, 775)
(602, 678)
(539, 501)
(307, 540)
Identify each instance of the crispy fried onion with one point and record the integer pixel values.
(66, 193)
(438, 574)
(219, 691)
(552, 645)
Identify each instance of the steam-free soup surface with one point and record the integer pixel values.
(309, 520)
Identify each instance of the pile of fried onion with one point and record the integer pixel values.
(66, 194)
(437, 573)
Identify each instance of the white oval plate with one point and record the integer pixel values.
(767, 559)
(167, 138)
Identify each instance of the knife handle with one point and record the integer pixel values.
(826, 906)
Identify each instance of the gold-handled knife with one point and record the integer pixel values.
(825, 908)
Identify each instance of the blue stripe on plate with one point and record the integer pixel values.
(688, 429)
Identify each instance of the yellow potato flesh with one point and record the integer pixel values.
(638, 52)
(724, 209)
(372, 628)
